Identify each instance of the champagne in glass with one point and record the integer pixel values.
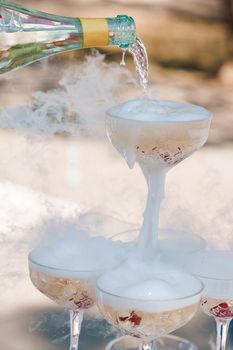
(66, 270)
(216, 272)
(148, 300)
(157, 135)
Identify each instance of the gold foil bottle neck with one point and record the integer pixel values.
(95, 32)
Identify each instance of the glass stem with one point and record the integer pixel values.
(148, 346)
(76, 317)
(222, 330)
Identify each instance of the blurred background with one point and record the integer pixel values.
(190, 50)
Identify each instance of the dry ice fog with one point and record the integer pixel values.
(77, 108)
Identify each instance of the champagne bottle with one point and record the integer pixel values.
(27, 35)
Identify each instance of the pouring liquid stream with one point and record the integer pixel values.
(157, 135)
(140, 58)
(155, 177)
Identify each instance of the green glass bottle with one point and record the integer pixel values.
(27, 36)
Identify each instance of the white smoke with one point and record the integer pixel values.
(78, 106)
(68, 246)
(79, 103)
(23, 213)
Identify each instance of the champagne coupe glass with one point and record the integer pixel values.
(147, 320)
(216, 272)
(156, 145)
(73, 290)
(175, 246)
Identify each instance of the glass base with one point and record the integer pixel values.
(169, 342)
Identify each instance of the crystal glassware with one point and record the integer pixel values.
(158, 143)
(216, 272)
(175, 246)
(157, 135)
(73, 290)
(147, 320)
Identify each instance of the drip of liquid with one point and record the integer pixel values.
(123, 58)
(140, 57)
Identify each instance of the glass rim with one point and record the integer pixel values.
(227, 279)
(135, 229)
(213, 278)
(161, 230)
(31, 260)
(208, 117)
(98, 288)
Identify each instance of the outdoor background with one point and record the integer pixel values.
(190, 51)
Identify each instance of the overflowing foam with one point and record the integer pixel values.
(77, 254)
(156, 134)
(148, 238)
(149, 284)
(160, 111)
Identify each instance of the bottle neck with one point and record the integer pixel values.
(119, 31)
(36, 35)
(95, 32)
(122, 31)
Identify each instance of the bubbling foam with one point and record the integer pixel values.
(77, 255)
(148, 286)
(157, 135)
(160, 111)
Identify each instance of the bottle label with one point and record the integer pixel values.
(95, 32)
